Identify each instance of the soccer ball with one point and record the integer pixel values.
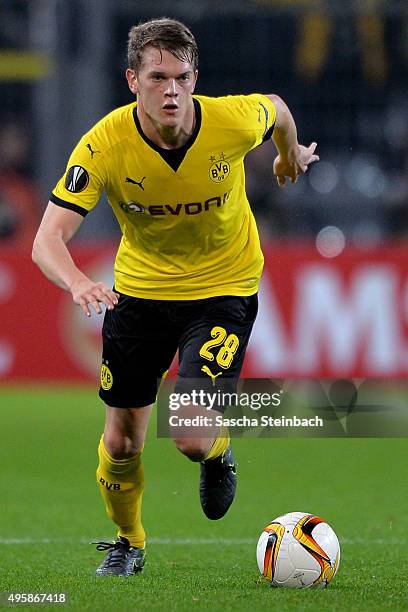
(298, 550)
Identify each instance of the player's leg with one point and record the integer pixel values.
(137, 349)
(212, 351)
(120, 471)
(120, 478)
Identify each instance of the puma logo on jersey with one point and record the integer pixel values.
(207, 370)
(138, 183)
(90, 149)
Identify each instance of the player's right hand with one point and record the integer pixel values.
(87, 293)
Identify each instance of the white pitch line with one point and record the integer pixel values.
(193, 541)
(165, 540)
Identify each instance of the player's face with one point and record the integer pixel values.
(164, 86)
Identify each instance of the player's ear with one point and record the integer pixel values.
(132, 80)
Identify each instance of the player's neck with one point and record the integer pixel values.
(167, 137)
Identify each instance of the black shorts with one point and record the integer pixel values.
(141, 337)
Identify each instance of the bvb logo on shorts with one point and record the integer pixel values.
(106, 378)
(219, 169)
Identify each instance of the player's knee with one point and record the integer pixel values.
(194, 449)
(122, 447)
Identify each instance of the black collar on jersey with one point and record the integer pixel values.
(173, 157)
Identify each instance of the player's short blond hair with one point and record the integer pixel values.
(164, 33)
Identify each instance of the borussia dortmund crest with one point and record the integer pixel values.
(219, 168)
(106, 378)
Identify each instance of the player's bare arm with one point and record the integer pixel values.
(52, 256)
(293, 158)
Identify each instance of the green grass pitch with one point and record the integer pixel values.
(50, 509)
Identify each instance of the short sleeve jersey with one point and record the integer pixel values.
(188, 230)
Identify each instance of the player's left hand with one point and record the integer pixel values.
(295, 164)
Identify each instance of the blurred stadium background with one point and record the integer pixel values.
(334, 302)
(335, 289)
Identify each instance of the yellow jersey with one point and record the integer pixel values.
(188, 230)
